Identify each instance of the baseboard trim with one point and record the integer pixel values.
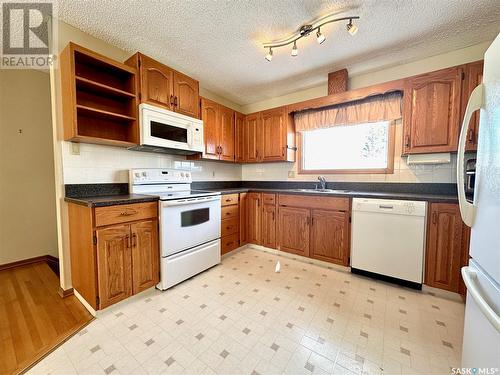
(49, 259)
(65, 293)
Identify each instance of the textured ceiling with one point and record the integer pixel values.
(220, 42)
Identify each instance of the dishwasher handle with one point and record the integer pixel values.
(385, 207)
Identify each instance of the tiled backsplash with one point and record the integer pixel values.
(106, 164)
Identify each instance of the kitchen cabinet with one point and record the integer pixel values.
(99, 98)
(315, 227)
(219, 131)
(432, 111)
(239, 139)
(252, 138)
(444, 246)
(273, 134)
(254, 218)
(269, 220)
(114, 251)
(165, 87)
(473, 76)
(330, 236)
(294, 225)
(230, 223)
(243, 218)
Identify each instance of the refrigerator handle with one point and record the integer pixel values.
(467, 210)
(469, 277)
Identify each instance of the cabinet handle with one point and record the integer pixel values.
(273, 215)
(471, 135)
(283, 152)
(175, 101)
(257, 154)
(127, 238)
(407, 140)
(134, 240)
(434, 217)
(312, 221)
(128, 213)
(172, 102)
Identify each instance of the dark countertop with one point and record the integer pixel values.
(445, 198)
(111, 200)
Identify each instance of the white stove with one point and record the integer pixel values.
(190, 222)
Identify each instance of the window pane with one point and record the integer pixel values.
(362, 146)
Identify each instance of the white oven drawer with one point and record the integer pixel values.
(186, 223)
(182, 266)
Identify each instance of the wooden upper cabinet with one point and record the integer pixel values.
(432, 111)
(254, 218)
(186, 95)
(165, 87)
(226, 133)
(473, 77)
(253, 137)
(330, 236)
(210, 117)
(114, 264)
(239, 138)
(444, 246)
(145, 255)
(293, 229)
(273, 135)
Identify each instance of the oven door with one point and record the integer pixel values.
(185, 223)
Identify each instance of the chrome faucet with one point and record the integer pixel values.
(322, 182)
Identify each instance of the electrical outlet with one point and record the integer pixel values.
(75, 148)
(291, 174)
(213, 173)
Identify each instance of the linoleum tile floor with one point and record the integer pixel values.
(241, 317)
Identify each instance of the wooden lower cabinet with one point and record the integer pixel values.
(243, 219)
(254, 218)
(330, 236)
(444, 247)
(230, 223)
(114, 264)
(114, 251)
(269, 225)
(294, 230)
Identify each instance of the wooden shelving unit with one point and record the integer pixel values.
(99, 98)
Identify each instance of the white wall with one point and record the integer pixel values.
(27, 191)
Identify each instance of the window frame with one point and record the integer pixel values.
(391, 137)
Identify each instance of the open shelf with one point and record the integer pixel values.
(99, 98)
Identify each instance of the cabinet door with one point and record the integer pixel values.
(330, 236)
(239, 138)
(226, 133)
(473, 77)
(114, 264)
(444, 244)
(145, 255)
(186, 95)
(254, 218)
(157, 83)
(269, 226)
(243, 219)
(273, 135)
(252, 138)
(209, 115)
(293, 230)
(432, 111)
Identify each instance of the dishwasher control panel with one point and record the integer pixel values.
(392, 206)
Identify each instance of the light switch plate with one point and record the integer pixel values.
(75, 148)
(291, 174)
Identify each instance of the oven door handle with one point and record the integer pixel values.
(190, 201)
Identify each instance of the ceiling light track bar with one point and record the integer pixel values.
(305, 30)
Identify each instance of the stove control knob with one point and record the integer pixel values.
(182, 174)
(137, 174)
(187, 174)
(144, 174)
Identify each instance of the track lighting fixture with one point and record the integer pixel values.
(269, 55)
(306, 30)
(351, 28)
(320, 37)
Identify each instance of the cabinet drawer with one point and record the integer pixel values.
(229, 199)
(311, 201)
(229, 212)
(268, 198)
(229, 243)
(230, 226)
(126, 212)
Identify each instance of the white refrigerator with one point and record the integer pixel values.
(481, 343)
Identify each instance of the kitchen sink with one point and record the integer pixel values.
(331, 191)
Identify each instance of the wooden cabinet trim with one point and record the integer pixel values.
(305, 201)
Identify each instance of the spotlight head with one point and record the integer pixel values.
(295, 50)
(351, 28)
(320, 37)
(269, 55)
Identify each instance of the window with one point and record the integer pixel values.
(359, 148)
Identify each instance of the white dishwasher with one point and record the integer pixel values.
(388, 238)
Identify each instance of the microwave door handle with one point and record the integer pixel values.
(190, 201)
(467, 210)
(190, 136)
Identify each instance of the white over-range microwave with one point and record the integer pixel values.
(165, 131)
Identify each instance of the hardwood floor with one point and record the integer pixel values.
(34, 319)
